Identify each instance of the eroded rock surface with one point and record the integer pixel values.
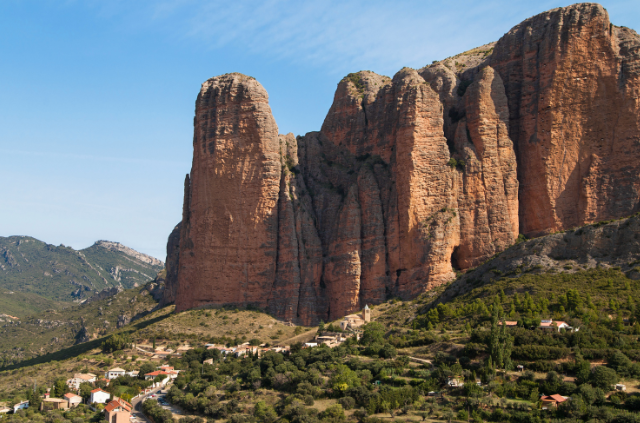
(410, 177)
(572, 80)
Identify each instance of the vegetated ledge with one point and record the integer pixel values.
(613, 244)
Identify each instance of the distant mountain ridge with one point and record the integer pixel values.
(60, 274)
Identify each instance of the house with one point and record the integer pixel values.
(620, 387)
(164, 354)
(117, 411)
(165, 376)
(3, 411)
(184, 348)
(353, 321)
(133, 373)
(552, 400)
(153, 375)
(166, 368)
(509, 323)
(550, 324)
(114, 373)
(310, 344)
(245, 349)
(20, 406)
(330, 341)
(72, 399)
(208, 361)
(98, 396)
(79, 378)
(49, 404)
(454, 382)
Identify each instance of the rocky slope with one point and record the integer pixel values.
(410, 177)
(61, 274)
(52, 330)
(603, 245)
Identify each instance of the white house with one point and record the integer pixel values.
(78, 378)
(153, 375)
(550, 324)
(72, 399)
(114, 373)
(20, 406)
(99, 396)
(454, 382)
(133, 373)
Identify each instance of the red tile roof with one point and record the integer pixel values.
(70, 395)
(553, 398)
(117, 403)
(98, 390)
(156, 373)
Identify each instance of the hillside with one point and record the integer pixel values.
(53, 274)
(54, 330)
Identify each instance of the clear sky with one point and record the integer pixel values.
(97, 97)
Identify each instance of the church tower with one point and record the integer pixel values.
(366, 313)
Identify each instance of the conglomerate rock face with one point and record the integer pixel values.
(573, 82)
(229, 234)
(412, 177)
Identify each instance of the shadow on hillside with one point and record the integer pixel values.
(79, 349)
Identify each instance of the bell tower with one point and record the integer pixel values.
(366, 314)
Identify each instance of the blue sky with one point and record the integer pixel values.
(97, 97)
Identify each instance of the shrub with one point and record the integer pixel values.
(347, 403)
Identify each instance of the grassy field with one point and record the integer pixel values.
(218, 323)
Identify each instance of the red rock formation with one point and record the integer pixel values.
(413, 176)
(572, 80)
(229, 237)
(488, 184)
(172, 267)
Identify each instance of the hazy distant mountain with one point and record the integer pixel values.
(35, 275)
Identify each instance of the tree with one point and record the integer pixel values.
(85, 390)
(34, 399)
(59, 388)
(116, 342)
(604, 377)
(146, 368)
(574, 301)
(264, 413)
(373, 333)
(500, 342)
(388, 351)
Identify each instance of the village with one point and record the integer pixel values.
(121, 409)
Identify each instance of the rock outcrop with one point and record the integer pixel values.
(412, 177)
(172, 265)
(604, 245)
(572, 81)
(229, 235)
(116, 246)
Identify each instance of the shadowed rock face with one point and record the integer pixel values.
(172, 266)
(409, 178)
(572, 81)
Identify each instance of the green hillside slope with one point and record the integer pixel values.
(61, 273)
(52, 330)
